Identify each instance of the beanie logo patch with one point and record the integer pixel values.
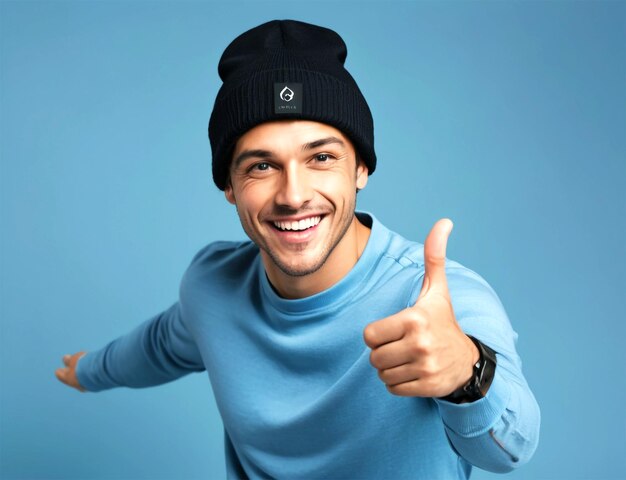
(287, 98)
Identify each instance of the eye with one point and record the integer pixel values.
(322, 157)
(262, 166)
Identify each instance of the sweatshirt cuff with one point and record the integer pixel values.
(475, 418)
(83, 367)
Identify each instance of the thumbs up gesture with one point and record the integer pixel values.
(421, 351)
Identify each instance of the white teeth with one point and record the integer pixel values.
(301, 225)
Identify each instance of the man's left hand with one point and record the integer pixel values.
(421, 351)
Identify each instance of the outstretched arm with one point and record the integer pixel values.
(157, 351)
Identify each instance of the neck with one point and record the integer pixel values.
(338, 264)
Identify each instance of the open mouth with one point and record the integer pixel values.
(298, 226)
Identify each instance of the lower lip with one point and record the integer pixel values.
(296, 236)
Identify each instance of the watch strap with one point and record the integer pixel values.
(482, 376)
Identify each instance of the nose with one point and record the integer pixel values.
(295, 189)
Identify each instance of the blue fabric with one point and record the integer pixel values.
(292, 379)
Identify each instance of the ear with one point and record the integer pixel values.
(361, 175)
(228, 193)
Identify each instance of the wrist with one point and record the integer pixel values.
(483, 371)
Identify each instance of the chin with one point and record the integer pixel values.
(297, 269)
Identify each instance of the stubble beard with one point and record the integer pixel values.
(301, 271)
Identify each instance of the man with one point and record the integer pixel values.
(335, 347)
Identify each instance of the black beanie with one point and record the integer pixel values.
(285, 69)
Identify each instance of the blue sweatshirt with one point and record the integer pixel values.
(292, 379)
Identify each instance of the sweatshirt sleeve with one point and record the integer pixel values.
(499, 432)
(158, 351)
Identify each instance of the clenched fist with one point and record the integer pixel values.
(421, 351)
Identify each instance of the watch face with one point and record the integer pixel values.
(488, 368)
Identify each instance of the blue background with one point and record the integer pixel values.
(509, 118)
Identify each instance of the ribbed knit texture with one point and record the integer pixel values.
(286, 51)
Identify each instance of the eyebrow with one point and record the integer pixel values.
(321, 142)
(267, 154)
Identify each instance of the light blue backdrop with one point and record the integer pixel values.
(508, 118)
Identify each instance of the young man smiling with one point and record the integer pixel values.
(352, 352)
(294, 184)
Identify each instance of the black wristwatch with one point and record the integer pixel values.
(484, 370)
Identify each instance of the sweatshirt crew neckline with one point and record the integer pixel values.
(337, 294)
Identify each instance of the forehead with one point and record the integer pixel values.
(286, 135)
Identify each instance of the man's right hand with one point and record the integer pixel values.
(67, 374)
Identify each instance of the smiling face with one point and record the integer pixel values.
(294, 184)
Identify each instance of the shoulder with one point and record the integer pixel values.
(221, 251)
(470, 292)
(410, 254)
(223, 259)
(216, 278)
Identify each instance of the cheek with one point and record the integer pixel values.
(337, 185)
(251, 199)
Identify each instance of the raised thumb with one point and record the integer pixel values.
(435, 256)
